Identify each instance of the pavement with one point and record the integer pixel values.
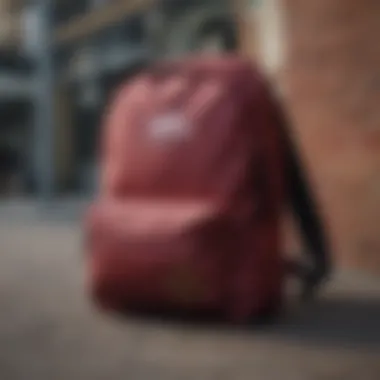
(50, 331)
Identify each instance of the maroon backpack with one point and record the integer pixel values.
(188, 216)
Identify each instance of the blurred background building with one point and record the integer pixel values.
(322, 54)
(95, 45)
(16, 86)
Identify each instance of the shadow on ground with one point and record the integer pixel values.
(333, 322)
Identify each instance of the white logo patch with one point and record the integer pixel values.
(171, 127)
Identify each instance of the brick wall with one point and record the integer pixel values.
(332, 81)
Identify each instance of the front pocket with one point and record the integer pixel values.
(159, 254)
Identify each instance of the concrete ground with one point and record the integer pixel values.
(48, 330)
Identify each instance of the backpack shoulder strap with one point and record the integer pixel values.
(305, 208)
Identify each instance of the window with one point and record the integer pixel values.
(64, 10)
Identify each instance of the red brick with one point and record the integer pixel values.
(332, 77)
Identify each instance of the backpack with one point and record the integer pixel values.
(192, 190)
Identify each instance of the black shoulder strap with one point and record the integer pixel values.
(305, 208)
(306, 213)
